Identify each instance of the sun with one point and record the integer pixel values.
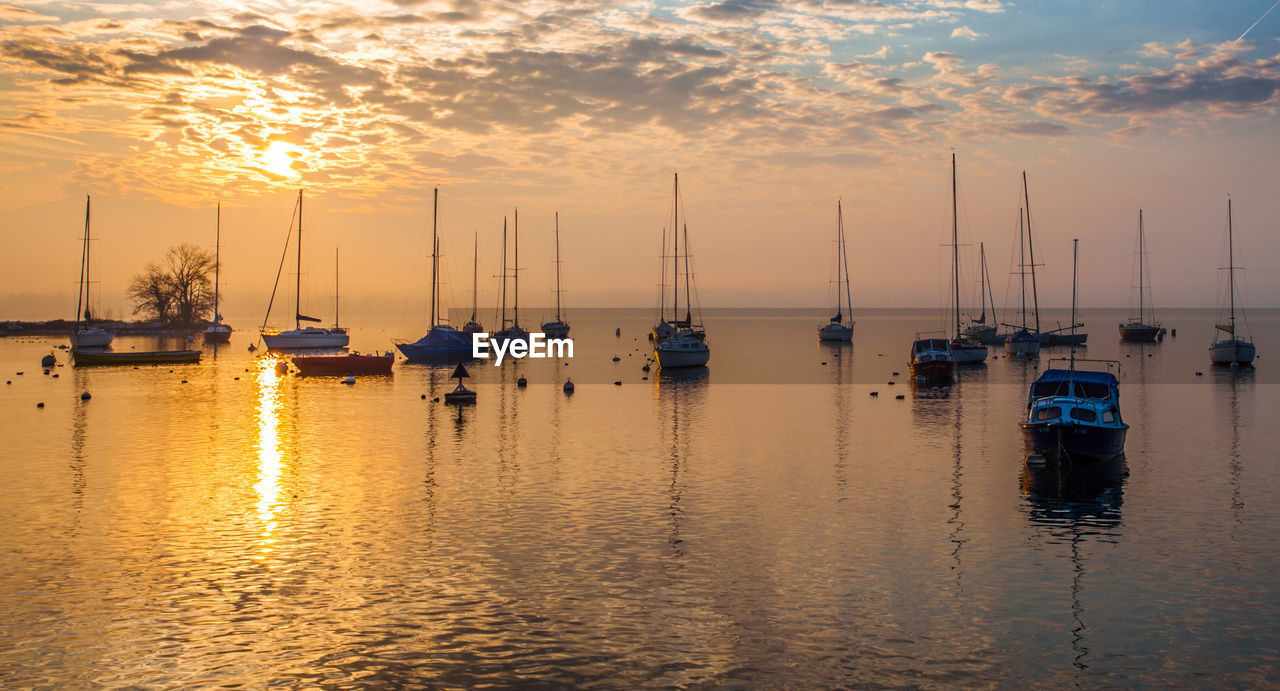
(278, 159)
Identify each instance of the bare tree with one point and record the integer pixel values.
(180, 292)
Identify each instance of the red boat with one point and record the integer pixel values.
(931, 359)
(343, 365)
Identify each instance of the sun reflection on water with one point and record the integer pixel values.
(269, 464)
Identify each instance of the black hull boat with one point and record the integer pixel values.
(1135, 332)
(1071, 442)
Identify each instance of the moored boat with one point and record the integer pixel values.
(1023, 343)
(154, 357)
(83, 335)
(680, 342)
(836, 329)
(931, 359)
(217, 332)
(300, 337)
(343, 365)
(557, 328)
(442, 341)
(510, 328)
(1232, 349)
(963, 351)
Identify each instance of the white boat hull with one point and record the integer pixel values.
(1232, 352)
(835, 332)
(1022, 347)
(299, 339)
(965, 354)
(91, 338)
(218, 333)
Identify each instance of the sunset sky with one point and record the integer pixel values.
(769, 110)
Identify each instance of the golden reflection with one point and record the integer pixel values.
(269, 464)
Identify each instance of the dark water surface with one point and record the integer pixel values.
(764, 522)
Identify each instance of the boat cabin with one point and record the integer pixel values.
(1078, 396)
(926, 349)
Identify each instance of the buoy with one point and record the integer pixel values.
(890, 383)
(436, 399)
(252, 347)
(19, 374)
(895, 374)
(617, 331)
(645, 378)
(1173, 332)
(568, 387)
(616, 358)
(645, 368)
(1199, 374)
(522, 382)
(349, 380)
(900, 397)
(875, 393)
(40, 404)
(55, 374)
(8, 381)
(281, 368)
(85, 396)
(237, 378)
(423, 397)
(824, 364)
(184, 381)
(617, 383)
(48, 361)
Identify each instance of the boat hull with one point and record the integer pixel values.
(91, 338)
(305, 339)
(1061, 441)
(1061, 339)
(158, 357)
(440, 343)
(1014, 345)
(1232, 352)
(967, 353)
(342, 365)
(672, 357)
(1135, 332)
(835, 332)
(556, 329)
(937, 370)
(218, 333)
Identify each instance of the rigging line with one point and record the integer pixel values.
(1264, 16)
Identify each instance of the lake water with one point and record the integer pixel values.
(763, 522)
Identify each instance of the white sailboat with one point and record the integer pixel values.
(1231, 349)
(979, 330)
(217, 332)
(300, 337)
(557, 328)
(963, 351)
(680, 342)
(835, 329)
(83, 335)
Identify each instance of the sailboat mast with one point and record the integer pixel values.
(1141, 253)
(435, 246)
(844, 256)
(82, 294)
(688, 292)
(1031, 247)
(1022, 268)
(475, 276)
(515, 270)
(1075, 254)
(955, 246)
(217, 260)
(557, 266)
(1231, 269)
(675, 251)
(336, 292)
(297, 288)
(982, 292)
(502, 321)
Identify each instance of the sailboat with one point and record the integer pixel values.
(1023, 342)
(1231, 350)
(83, 335)
(300, 337)
(1074, 415)
(963, 351)
(472, 326)
(557, 328)
(682, 342)
(979, 330)
(511, 329)
(1138, 328)
(1055, 336)
(442, 341)
(835, 329)
(217, 332)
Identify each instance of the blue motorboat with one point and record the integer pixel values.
(1074, 415)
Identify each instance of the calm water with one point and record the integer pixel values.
(765, 522)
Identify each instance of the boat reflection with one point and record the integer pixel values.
(682, 404)
(1076, 506)
(1229, 383)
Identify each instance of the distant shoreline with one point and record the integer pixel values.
(63, 327)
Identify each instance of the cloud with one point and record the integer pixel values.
(9, 13)
(965, 32)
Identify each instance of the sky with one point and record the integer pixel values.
(770, 111)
